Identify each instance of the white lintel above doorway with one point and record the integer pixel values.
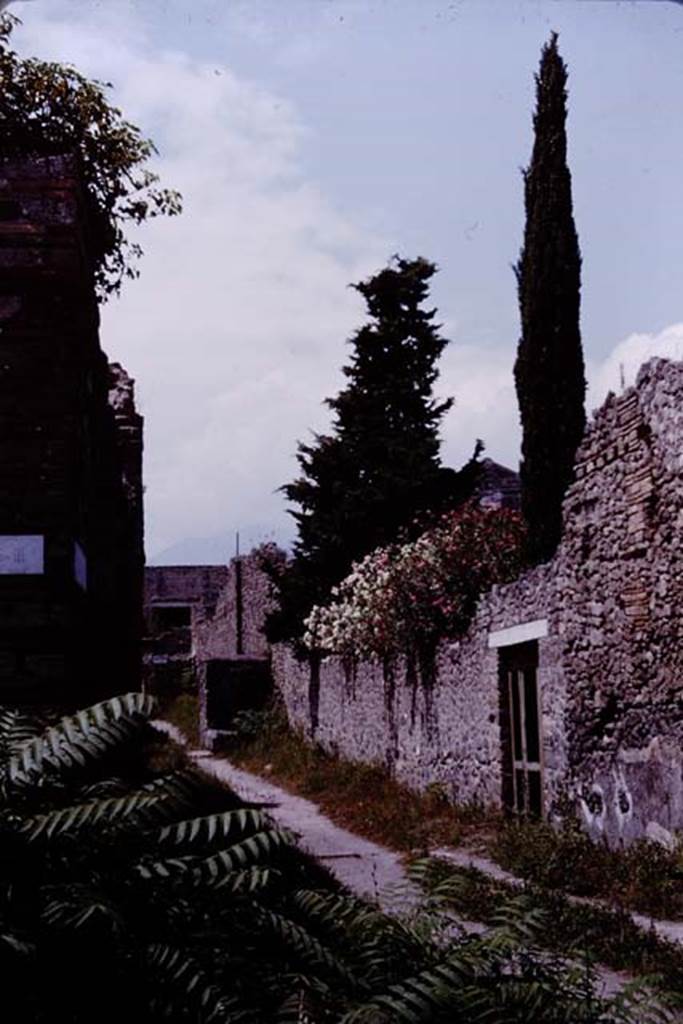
(524, 631)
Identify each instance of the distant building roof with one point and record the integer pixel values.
(498, 486)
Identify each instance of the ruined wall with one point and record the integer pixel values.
(433, 723)
(609, 645)
(232, 655)
(192, 590)
(619, 594)
(198, 585)
(235, 629)
(70, 532)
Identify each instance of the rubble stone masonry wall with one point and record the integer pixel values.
(606, 613)
(235, 629)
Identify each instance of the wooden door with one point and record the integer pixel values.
(521, 729)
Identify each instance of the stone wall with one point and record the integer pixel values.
(605, 613)
(619, 594)
(232, 655)
(235, 628)
(428, 723)
(174, 593)
(194, 586)
(71, 543)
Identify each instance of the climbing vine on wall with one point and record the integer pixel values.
(406, 596)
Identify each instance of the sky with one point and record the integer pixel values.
(312, 140)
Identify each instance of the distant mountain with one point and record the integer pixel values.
(217, 550)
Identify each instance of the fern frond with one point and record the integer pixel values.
(82, 737)
(428, 993)
(260, 846)
(201, 831)
(135, 807)
(179, 970)
(214, 869)
(333, 911)
(16, 945)
(252, 880)
(305, 946)
(178, 791)
(297, 1008)
(17, 728)
(75, 906)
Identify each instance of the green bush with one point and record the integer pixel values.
(643, 876)
(127, 892)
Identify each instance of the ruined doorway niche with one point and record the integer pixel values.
(520, 717)
(170, 616)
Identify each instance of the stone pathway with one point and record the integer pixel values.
(363, 867)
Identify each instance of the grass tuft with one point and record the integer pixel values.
(361, 797)
(644, 876)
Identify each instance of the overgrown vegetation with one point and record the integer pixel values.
(379, 468)
(124, 891)
(361, 797)
(644, 876)
(48, 108)
(606, 936)
(182, 710)
(131, 891)
(406, 597)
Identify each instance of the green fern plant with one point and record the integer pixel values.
(129, 894)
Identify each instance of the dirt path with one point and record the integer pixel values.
(364, 867)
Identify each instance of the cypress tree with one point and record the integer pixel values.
(549, 370)
(365, 482)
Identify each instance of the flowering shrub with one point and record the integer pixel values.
(407, 595)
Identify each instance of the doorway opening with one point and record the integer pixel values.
(520, 720)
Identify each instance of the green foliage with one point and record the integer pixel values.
(581, 932)
(644, 876)
(362, 797)
(154, 897)
(182, 710)
(379, 468)
(76, 739)
(108, 890)
(48, 108)
(201, 831)
(549, 371)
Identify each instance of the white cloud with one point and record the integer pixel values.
(486, 405)
(626, 358)
(480, 378)
(235, 331)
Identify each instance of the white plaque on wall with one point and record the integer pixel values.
(80, 566)
(22, 556)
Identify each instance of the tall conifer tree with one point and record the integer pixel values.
(379, 467)
(549, 370)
